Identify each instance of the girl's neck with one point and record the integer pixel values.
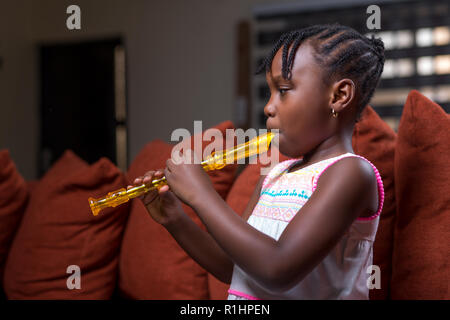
(329, 148)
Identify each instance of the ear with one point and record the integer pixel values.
(343, 92)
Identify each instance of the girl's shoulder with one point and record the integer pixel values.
(324, 165)
(355, 168)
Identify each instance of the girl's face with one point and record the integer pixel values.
(300, 107)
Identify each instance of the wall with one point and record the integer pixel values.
(19, 123)
(180, 59)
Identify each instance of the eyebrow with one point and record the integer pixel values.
(280, 78)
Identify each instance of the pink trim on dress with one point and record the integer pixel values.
(379, 183)
(243, 295)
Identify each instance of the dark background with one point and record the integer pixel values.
(184, 61)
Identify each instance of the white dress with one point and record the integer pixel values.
(342, 274)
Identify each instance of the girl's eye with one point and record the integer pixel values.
(282, 91)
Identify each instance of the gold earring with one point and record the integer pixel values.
(334, 113)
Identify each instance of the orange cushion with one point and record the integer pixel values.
(152, 265)
(376, 141)
(422, 175)
(13, 201)
(58, 230)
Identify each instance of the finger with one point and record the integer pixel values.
(159, 173)
(149, 198)
(137, 181)
(149, 176)
(163, 189)
(169, 198)
(147, 179)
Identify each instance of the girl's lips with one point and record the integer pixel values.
(275, 130)
(272, 128)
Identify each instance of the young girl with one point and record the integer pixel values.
(312, 240)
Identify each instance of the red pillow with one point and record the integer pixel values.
(13, 201)
(152, 265)
(375, 140)
(58, 230)
(422, 175)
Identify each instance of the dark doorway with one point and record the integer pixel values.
(80, 106)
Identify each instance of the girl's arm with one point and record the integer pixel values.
(341, 196)
(201, 246)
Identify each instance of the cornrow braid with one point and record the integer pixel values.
(276, 47)
(341, 51)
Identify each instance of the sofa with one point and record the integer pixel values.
(46, 226)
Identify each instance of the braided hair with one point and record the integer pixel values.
(341, 51)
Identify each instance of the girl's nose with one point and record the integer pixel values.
(269, 110)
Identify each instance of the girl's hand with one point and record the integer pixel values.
(162, 205)
(186, 179)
